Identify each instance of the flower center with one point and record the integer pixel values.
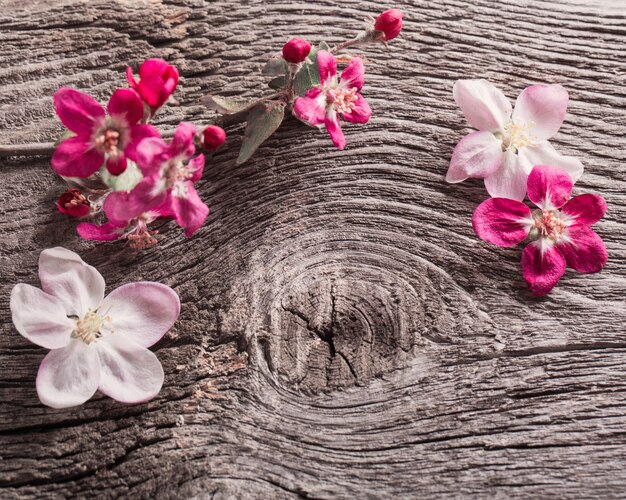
(344, 101)
(89, 329)
(140, 237)
(176, 172)
(111, 137)
(549, 224)
(516, 136)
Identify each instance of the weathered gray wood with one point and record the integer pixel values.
(343, 332)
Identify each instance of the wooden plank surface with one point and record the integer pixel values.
(343, 332)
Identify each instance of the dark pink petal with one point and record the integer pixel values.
(150, 153)
(544, 107)
(131, 78)
(312, 107)
(74, 157)
(182, 142)
(105, 232)
(137, 134)
(120, 207)
(584, 250)
(158, 80)
(331, 121)
(361, 112)
(327, 66)
(189, 210)
(586, 209)
(502, 222)
(77, 110)
(484, 106)
(116, 164)
(353, 75)
(127, 104)
(543, 265)
(196, 166)
(509, 181)
(549, 187)
(478, 154)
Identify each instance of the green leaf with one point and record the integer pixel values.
(126, 181)
(280, 82)
(275, 66)
(226, 105)
(309, 75)
(263, 120)
(66, 135)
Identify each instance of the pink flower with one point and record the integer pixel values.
(99, 137)
(389, 23)
(213, 137)
(296, 50)
(559, 229)
(332, 97)
(97, 342)
(157, 81)
(73, 203)
(169, 174)
(509, 143)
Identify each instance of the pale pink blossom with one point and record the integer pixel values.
(100, 138)
(509, 142)
(333, 97)
(97, 342)
(559, 231)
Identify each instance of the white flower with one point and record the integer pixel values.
(97, 342)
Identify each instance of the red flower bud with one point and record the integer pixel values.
(157, 81)
(390, 23)
(73, 203)
(296, 50)
(213, 137)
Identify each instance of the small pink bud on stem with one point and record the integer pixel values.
(389, 23)
(213, 137)
(296, 50)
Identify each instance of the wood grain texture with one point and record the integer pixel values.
(343, 332)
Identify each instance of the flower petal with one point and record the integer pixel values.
(353, 75)
(544, 106)
(129, 373)
(78, 285)
(104, 232)
(331, 121)
(40, 317)
(182, 142)
(196, 166)
(189, 210)
(120, 206)
(312, 107)
(75, 157)
(502, 222)
(543, 265)
(137, 134)
(327, 66)
(150, 154)
(142, 312)
(586, 209)
(545, 154)
(484, 106)
(361, 112)
(127, 104)
(478, 154)
(584, 250)
(68, 376)
(509, 181)
(549, 187)
(77, 110)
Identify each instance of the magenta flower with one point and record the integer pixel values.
(97, 342)
(169, 174)
(99, 137)
(73, 203)
(559, 229)
(157, 81)
(509, 142)
(323, 104)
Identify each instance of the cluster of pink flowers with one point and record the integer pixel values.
(511, 152)
(105, 143)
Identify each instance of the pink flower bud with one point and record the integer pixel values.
(296, 50)
(157, 82)
(73, 203)
(389, 23)
(213, 137)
